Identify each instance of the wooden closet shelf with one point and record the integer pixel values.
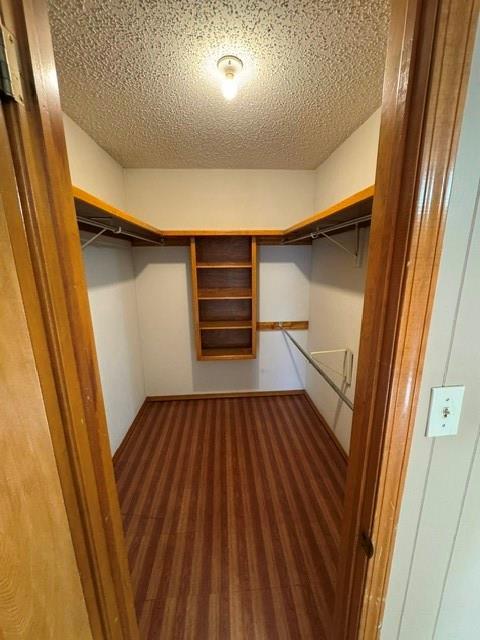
(355, 206)
(91, 211)
(224, 294)
(89, 207)
(224, 265)
(225, 324)
(223, 353)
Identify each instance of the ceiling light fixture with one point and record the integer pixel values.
(229, 67)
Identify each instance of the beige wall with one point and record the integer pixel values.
(176, 199)
(435, 579)
(336, 305)
(220, 198)
(351, 167)
(113, 305)
(91, 168)
(336, 284)
(111, 288)
(289, 283)
(164, 308)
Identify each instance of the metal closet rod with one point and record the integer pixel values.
(118, 230)
(316, 366)
(334, 227)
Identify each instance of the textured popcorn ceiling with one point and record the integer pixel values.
(140, 77)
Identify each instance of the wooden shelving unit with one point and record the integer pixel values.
(224, 290)
(224, 266)
(91, 211)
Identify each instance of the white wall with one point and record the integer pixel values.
(351, 167)
(435, 579)
(336, 305)
(337, 285)
(111, 292)
(91, 168)
(164, 307)
(111, 288)
(227, 199)
(220, 198)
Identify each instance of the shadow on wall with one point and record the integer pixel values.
(107, 261)
(151, 255)
(111, 286)
(299, 255)
(346, 276)
(336, 305)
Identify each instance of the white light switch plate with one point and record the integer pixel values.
(445, 409)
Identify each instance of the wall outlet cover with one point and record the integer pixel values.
(445, 410)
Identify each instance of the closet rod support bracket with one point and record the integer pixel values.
(355, 253)
(93, 238)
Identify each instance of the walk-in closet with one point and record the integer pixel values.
(222, 158)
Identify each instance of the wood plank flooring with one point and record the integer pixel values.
(232, 510)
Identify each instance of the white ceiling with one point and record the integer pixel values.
(140, 77)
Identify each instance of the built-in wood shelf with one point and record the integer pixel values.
(222, 353)
(92, 210)
(225, 324)
(350, 209)
(224, 265)
(224, 294)
(224, 290)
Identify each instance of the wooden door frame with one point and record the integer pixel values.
(37, 193)
(427, 65)
(427, 68)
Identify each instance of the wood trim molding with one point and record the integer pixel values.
(428, 58)
(226, 394)
(46, 246)
(131, 429)
(174, 233)
(292, 325)
(254, 281)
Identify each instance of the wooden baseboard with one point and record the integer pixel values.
(227, 394)
(328, 429)
(130, 432)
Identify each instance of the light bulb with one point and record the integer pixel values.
(230, 68)
(229, 87)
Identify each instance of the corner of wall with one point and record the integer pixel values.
(91, 167)
(351, 167)
(337, 285)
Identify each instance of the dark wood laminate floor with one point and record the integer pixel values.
(232, 510)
